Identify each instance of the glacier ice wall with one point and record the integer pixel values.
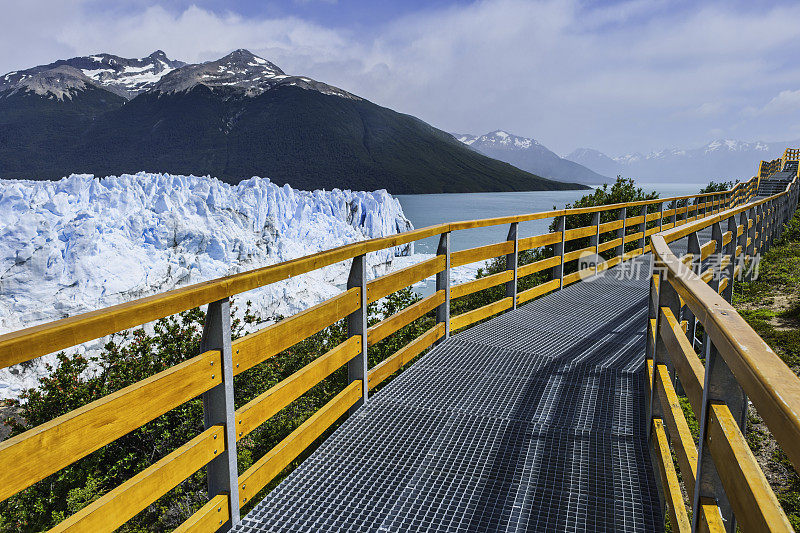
(82, 243)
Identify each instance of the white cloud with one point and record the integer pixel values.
(635, 76)
(784, 102)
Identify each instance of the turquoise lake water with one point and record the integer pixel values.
(428, 209)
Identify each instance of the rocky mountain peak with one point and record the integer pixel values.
(240, 71)
(59, 82)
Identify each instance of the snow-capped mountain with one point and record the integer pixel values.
(235, 117)
(499, 139)
(122, 76)
(529, 154)
(241, 70)
(722, 159)
(595, 160)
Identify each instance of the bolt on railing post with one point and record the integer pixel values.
(720, 386)
(558, 250)
(512, 262)
(218, 409)
(443, 284)
(357, 367)
(594, 240)
(643, 228)
(620, 251)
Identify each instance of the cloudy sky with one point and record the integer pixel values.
(619, 76)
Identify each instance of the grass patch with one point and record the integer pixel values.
(771, 305)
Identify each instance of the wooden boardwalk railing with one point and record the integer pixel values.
(46, 449)
(724, 483)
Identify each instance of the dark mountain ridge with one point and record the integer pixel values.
(232, 118)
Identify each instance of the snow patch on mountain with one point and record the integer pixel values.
(129, 76)
(122, 76)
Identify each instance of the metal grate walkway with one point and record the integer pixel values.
(532, 421)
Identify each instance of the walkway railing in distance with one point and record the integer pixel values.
(50, 447)
(698, 345)
(768, 168)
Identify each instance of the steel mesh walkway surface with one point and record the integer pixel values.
(532, 421)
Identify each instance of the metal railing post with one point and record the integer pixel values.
(357, 367)
(742, 241)
(594, 240)
(767, 226)
(750, 232)
(686, 213)
(694, 249)
(720, 386)
(758, 224)
(443, 284)
(643, 228)
(716, 262)
(730, 251)
(661, 216)
(667, 297)
(653, 312)
(218, 409)
(673, 219)
(512, 262)
(558, 250)
(786, 210)
(620, 251)
(773, 219)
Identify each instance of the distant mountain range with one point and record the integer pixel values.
(725, 160)
(529, 154)
(231, 118)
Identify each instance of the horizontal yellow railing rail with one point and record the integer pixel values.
(724, 483)
(44, 450)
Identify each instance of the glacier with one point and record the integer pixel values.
(83, 243)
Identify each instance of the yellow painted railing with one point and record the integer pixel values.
(44, 450)
(700, 345)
